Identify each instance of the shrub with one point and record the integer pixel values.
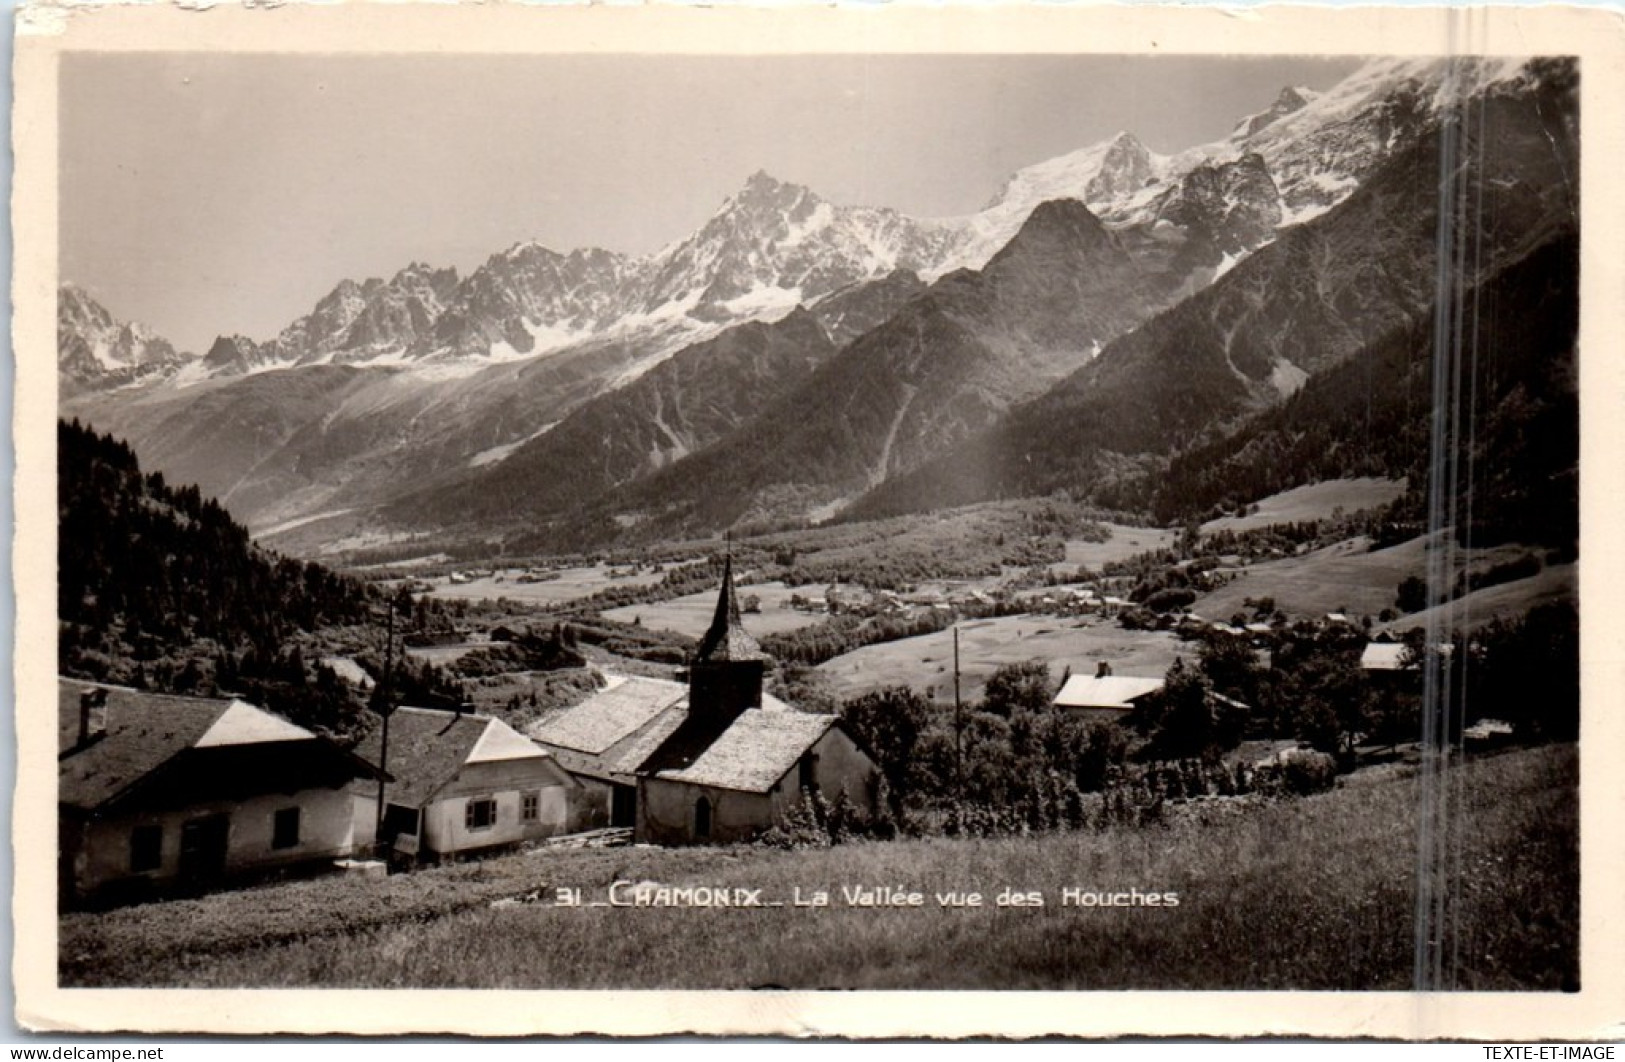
(801, 827)
(1523, 567)
(1413, 594)
(1296, 772)
(1172, 598)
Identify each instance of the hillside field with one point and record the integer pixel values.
(691, 614)
(1312, 893)
(1314, 501)
(572, 583)
(1555, 582)
(926, 662)
(1351, 577)
(1125, 542)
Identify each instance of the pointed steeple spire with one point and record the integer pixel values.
(727, 639)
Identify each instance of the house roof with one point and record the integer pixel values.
(1383, 656)
(1108, 691)
(627, 756)
(243, 724)
(620, 762)
(727, 641)
(613, 733)
(427, 747)
(755, 751)
(143, 731)
(611, 715)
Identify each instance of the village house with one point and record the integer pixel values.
(160, 793)
(1104, 695)
(1384, 658)
(713, 760)
(604, 740)
(459, 782)
(1108, 697)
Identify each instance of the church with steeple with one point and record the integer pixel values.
(712, 758)
(726, 675)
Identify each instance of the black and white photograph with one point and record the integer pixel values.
(843, 520)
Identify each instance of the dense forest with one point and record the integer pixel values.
(158, 588)
(1372, 415)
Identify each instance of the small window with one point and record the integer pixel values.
(146, 848)
(480, 814)
(285, 828)
(530, 807)
(809, 771)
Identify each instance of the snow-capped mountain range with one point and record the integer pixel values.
(774, 245)
(434, 392)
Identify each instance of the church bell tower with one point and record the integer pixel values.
(726, 676)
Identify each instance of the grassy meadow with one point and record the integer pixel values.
(926, 662)
(571, 584)
(1313, 501)
(691, 614)
(1125, 542)
(1553, 583)
(1352, 577)
(1313, 893)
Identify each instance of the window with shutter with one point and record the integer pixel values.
(480, 814)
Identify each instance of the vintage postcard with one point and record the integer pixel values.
(999, 520)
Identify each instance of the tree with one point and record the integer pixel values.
(1394, 716)
(1413, 594)
(1183, 718)
(1333, 703)
(1105, 746)
(889, 724)
(1232, 666)
(1016, 686)
(1528, 673)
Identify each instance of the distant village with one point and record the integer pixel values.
(161, 793)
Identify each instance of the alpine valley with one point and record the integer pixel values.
(1112, 322)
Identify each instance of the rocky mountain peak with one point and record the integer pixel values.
(1290, 101)
(1071, 217)
(1124, 170)
(231, 355)
(96, 349)
(1292, 98)
(419, 278)
(75, 305)
(764, 192)
(1234, 204)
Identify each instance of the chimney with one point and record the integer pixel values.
(1104, 670)
(92, 715)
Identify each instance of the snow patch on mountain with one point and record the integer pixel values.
(544, 338)
(504, 451)
(1287, 378)
(764, 303)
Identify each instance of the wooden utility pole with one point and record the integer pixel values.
(386, 709)
(959, 733)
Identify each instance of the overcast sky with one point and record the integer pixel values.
(206, 194)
